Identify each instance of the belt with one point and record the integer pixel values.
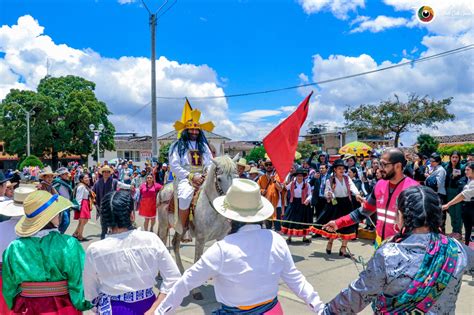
(44, 289)
(249, 307)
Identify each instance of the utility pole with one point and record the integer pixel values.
(154, 131)
(153, 19)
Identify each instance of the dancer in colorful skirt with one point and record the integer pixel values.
(42, 270)
(147, 206)
(339, 190)
(246, 265)
(120, 271)
(299, 209)
(418, 271)
(12, 210)
(83, 196)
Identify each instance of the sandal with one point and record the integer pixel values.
(345, 254)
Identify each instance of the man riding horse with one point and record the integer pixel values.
(189, 156)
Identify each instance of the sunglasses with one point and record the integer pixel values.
(268, 164)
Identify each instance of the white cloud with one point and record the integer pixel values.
(380, 23)
(123, 83)
(438, 78)
(339, 8)
(258, 115)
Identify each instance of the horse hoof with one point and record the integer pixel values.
(198, 296)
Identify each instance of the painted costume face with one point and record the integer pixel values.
(193, 134)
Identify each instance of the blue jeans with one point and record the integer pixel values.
(65, 221)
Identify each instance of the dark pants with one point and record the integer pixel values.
(276, 224)
(444, 200)
(103, 227)
(468, 220)
(65, 221)
(319, 208)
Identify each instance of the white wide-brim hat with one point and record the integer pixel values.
(14, 208)
(244, 203)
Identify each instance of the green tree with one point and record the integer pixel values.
(63, 108)
(305, 149)
(31, 160)
(257, 153)
(164, 152)
(395, 117)
(463, 149)
(427, 144)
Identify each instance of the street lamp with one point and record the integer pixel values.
(28, 114)
(97, 132)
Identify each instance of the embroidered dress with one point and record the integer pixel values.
(46, 257)
(297, 211)
(7, 235)
(147, 206)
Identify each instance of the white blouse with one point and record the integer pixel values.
(81, 193)
(127, 262)
(246, 267)
(299, 190)
(340, 191)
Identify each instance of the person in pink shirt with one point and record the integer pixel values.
(147, 207)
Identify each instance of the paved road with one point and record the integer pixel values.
(328, 274)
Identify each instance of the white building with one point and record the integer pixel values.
(129, 146)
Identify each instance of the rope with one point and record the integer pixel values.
(339, 238)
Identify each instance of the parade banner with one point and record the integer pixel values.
(282, 141)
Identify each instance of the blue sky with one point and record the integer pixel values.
(242, 46)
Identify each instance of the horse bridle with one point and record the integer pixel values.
(218, 188)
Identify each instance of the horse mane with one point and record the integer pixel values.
(225, 163)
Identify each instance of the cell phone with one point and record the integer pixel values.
(456, 172)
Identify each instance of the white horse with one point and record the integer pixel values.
(207, 224)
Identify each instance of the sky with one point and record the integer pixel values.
(219, 48)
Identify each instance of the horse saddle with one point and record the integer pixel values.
(171, 205)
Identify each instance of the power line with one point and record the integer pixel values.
(411, 62)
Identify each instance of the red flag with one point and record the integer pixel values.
(282, 141)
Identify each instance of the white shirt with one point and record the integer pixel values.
(340, 191)
(127, 262)
(81, 193)
(7, 233)
(246, 267)
(180, 166)
(299, 190)
(468, 191)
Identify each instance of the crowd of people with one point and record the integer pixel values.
(403, 199)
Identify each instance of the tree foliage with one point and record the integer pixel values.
(427, 144)
(463, 149)
(164, 152)
(257, 153)
(63, 108)
(393, 116)
(305, 149)
(31, 160)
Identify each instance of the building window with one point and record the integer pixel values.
(129, 155)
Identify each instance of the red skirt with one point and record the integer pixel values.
(3, 305)
(54, 305)
(85, 212)
(147, 208)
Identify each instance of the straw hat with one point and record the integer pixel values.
(243, 202)
(105, 168)
(254, 170)
(243, 162)
(14, 208)
(40, 208)
(47, 171)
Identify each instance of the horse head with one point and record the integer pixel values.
(222, 171)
